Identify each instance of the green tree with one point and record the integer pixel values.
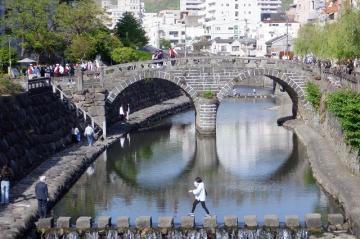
(130, 31)
(82, 47)
(77, 18)
(105, 44)
(123, 55)
(4, 58)
(31, 21)
(164, 43)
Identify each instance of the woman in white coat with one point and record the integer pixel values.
(200, 196)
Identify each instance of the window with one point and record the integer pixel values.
(236, 6)
(236, 14)
(223, 48)
(235, 48)
(217, 28)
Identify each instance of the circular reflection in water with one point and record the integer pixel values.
(252, 166)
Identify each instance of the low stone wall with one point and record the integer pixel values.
(31, 129)
(313, 223)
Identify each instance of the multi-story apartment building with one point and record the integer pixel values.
(231, 18)
(116, 9)
(309, 10)
(268, 7)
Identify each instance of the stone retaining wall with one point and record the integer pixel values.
(31, 129)
(329, 127)
(313, 222)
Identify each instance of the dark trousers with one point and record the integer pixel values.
(196, 202)
(42, 208)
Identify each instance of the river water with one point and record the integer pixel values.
(251, 167)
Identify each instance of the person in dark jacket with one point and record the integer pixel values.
(41, 193)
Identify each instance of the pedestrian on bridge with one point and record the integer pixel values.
(89, 134)
(200, 194)
(6, 176)
(42, 195)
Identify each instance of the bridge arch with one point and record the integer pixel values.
(180, 81)
(291, 82)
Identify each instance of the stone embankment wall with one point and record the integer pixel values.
(31, 129)
(329, 127)
(142, 95)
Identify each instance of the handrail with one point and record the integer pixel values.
(80, 111)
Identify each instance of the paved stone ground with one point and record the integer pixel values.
(330, 172)
(64, 168)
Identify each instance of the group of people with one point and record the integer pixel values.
(88, 133)
(90, 65)
(159, 55)
(57, 70)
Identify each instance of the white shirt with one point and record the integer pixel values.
(121, 110)
(199, 192)
(89, 130)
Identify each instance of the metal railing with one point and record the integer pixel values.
(38, 83)
(99, 128)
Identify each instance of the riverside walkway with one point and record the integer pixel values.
(330, 172)
(64, 168)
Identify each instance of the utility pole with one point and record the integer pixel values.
(287, 35)
(185, 41)
(9, 68)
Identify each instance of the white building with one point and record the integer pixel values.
(116, 9)
(308, 10)
(173, 25)
(234, 47)
(268, 7)
(270, 29)
(231, 18)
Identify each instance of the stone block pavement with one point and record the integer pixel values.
(64, 168)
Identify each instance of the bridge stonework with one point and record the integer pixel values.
(195, 76)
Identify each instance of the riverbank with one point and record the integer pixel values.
(330, 172)
(63, 169)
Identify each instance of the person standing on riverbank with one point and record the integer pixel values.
(6, 175)
(89, 134)
(41, 193)
(121, 113)
(200, 196)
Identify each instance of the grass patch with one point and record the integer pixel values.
(208, 94)
(345, 105)
(8, 87)
(313, 94)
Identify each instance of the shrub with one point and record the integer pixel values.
(313, 94)
(208, 94)
(8, 87)
(345, 105)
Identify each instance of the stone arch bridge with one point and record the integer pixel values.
(205, 80)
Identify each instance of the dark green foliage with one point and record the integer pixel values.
(313, 94)
(346, 107)
(4, 58)
(165, 44)
(130, 31)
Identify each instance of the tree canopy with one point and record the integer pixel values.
(130, 31)
(337, 40)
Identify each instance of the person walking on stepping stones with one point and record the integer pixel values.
(200, 196)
